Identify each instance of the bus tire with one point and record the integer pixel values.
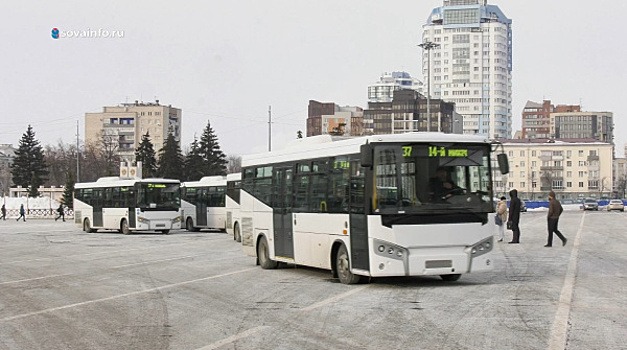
(263, 255)
(189, 225)
(124, 227)
(236, 235)
(342, 263)
(165, 232)
(87, 226)
(450, 278)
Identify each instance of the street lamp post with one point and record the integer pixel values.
(428, 45)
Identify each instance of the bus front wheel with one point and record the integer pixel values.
(165, 232)
(263, 255)
(236, 235)
(124, 227)
(342, 264)
(189, 225)
(450, 278)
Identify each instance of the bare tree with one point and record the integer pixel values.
(61, 161)
(234, 164)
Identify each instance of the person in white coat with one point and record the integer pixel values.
(501, 212)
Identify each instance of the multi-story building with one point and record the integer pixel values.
(620, 177)
(7, 153)
(382, 90)
(407, 112)
(594, 125)
(472, 66)
(329, 118)
(536, 118)
(121, 127)
(574, 169)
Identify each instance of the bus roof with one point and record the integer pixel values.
(233, 177)
(327, 146)
(113, 181)
(215, 180)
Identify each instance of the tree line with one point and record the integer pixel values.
(53, 165)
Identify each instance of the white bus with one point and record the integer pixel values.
(364, 207)
(203, 203)
(233, 186)
(128, 205)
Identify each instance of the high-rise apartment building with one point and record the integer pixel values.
(580, 125)
(121, 127)
(472, 66)
(329, 118)
(536, 118)
(407, 112)
(383, 90)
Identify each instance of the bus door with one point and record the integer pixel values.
(202, 198)
(282, 212)
(358, 218)
(98, 196)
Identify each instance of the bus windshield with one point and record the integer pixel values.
(414, 178)
(158, 196)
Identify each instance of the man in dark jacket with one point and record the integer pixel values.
(553, 217)
(514, 215)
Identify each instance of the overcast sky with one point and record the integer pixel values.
(227, 61)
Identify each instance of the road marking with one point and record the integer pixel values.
(334, 299)
(114, 267)
(233, 338)
(559, 330)
(122, 295)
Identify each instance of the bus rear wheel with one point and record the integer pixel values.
(189, 225)
(342, 264)
(263, 255)
(450, 278)
(87, 226)
(124, 227)
(236, 235)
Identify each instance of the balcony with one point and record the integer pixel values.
(551, 168)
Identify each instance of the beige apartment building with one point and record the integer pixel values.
(121, 127)
(574, 169)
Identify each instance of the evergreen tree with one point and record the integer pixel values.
(170, 159)
(193, 163)
(145, 153)
(68, 191)
(29, 165)
(214, 160)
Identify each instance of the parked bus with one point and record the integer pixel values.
(233, 186)
(203, 203)
(365, 207)
(128, 205)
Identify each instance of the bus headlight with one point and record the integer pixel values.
(142, 219)
(177, 219)
(389, 250)
(481, 248)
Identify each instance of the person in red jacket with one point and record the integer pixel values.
(553, 217)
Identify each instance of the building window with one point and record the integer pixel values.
(581, 184)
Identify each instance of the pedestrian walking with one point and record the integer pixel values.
(553, 217)
(4, 212)
(501, 217)
(513, 219)
(22, 212)
(61, 213)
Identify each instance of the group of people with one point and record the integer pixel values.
(3, 211)
(511, 219)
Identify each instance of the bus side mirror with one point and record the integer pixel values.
(366, 155)
(503, 163)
